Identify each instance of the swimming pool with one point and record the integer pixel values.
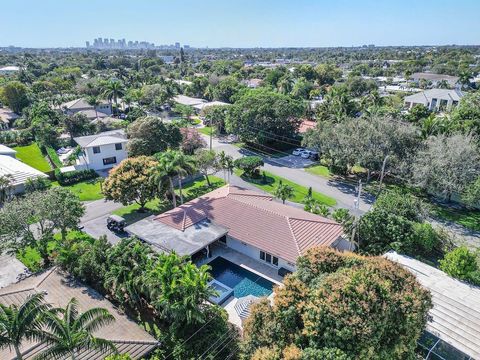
(242, 281)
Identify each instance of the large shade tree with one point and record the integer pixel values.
(129, 182)
(317, 311)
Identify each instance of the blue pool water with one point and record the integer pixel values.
(242, 281)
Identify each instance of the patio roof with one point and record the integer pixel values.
(164, 238)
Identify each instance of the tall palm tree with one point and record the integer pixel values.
(94, 101)
(22, 323)
(172, 163)
(112, 90)
(68, 331)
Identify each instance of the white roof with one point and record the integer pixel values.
(78, 104)
(6, 114)
(455, 316)
(187, 100)
(208, 104)
(18, 170)
(426, 96)
(5, 150)
(104, 138)
(10, 68)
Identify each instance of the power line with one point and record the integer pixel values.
(220, 338)
(223, 347)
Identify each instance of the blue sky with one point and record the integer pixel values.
(247, 23)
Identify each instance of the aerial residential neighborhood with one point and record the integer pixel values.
(240, 180)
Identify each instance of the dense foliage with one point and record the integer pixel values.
(75, 176)
(340, 306)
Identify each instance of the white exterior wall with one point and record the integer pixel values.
(254, 253)
(95, 161)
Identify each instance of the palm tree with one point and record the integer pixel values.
(72, 331)
(226, 163)
(283, 191)
(22, 323)
(94, 101)
(112, 90)
(172, 163)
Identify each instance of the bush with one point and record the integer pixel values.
(249, 165)
(461, 263)
(73, 177)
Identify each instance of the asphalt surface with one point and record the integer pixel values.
(345, 194)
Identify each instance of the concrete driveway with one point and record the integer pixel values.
(291, 161)
(98, 227)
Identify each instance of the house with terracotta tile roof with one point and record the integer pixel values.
(248, 222)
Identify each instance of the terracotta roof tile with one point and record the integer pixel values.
(252, 218)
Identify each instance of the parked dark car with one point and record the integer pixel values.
(116, 223)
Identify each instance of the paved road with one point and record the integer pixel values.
(98, 208)
(345, 194)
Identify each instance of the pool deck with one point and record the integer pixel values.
(247, 263)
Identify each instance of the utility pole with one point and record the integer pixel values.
(356, 205)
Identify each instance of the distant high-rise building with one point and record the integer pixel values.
(177, 45)
(87, 44)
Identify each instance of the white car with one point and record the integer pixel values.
(298, 151)
(305, 154)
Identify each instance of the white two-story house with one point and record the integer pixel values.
(102, 151)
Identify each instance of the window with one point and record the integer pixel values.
(268, 258)
(109, 160)
(118, 146)
(96, 149)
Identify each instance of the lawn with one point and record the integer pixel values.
(319, 170)
(31, 155)
(300, 192)
(467, 218)
(190, 191)
(87, 190)
(205, 130)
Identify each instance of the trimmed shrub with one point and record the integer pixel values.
(461, 263)
(249, 165)
(73, 177)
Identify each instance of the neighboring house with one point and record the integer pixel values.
(102, 151)
(435, 79)
(206, 105)
(5, 150)
(253, 83)
(59, 288)
(307, 125)
(187, 100)
(453, 330)
(83, 107)
(434, 99)
(7, 117)
(8, 70)
(246, 221)
(17, 171)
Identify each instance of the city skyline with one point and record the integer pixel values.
(243, 24)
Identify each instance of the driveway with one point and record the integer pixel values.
(98, 227)
(11, 270)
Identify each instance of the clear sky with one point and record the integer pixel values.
(235, 23)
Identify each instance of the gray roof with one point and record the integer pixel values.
(78, 104)
(18, 170)
(452, 80)
(455, 316)
(187, 100)
(209, 104)
(104, 138)
(164, 238)
(426, 96)
(5, 150)
(11, 270)
(59, 288)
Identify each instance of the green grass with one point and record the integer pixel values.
(205, 130)
(467, 218)
(156, 206)
(319, 170)
(300, 192)
(31, 155)
(86, 191)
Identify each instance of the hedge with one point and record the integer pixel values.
(76, 176)
(52, 155)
